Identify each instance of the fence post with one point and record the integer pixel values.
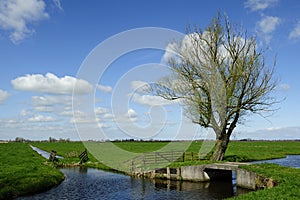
(172, 155)
(144, 161)
(132, 163)
(192, 155)
(183, 156)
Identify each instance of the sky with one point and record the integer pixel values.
(47, 47)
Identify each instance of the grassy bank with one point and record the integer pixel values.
(22, 171)
(288, 179)
(70, 151)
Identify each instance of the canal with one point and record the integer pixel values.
(88, 183)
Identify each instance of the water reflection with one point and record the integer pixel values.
(83, 169)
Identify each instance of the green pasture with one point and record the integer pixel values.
(22, 171)
(237, 150)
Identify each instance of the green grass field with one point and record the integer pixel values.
(237, 151)
(22, 171)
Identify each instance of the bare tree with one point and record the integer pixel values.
(219, 75)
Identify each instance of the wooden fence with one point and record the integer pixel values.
(83, 156)
(160, 158)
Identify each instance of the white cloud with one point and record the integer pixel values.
(267, 25)
(51, 100)
(186, 49)
(58, 4)
(56, 104)
(24, 112)
(139, 86)
(103, 113)
(51, 84)
(104, 88)
(125, 118)
(131, 113)
(3, 96)
(170, 51)
(273, 133)
(107, 116)
(150, 100)
(66, 113)
(130, 116)
(41, 118)
(82, 120)
(101, 125)
(17, 17)
(44, 108)
(295, 33)
(255, 5)
(101, 110)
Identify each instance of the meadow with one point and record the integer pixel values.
(22, 171)
(237, 150)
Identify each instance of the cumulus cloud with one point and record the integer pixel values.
(101, 110)
(295, 33)
(52, 103)
(131, 113)
(51, 100)
(139, 86)
(186, 49)
(170, 52)
(44, 109)
(24, 112)
(129, 116)
(17, 17)
(51, 84)
(267, 25)
(104, 88)
(3, 96)
(256, 5)
(41, 118)
(80, 117)
(149, 100)
(82, 120)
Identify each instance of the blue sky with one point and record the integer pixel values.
(43, 44)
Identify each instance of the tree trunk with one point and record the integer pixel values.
(220, 148)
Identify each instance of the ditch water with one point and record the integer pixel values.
(43, 153)
(288, 161)
(88, 183)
